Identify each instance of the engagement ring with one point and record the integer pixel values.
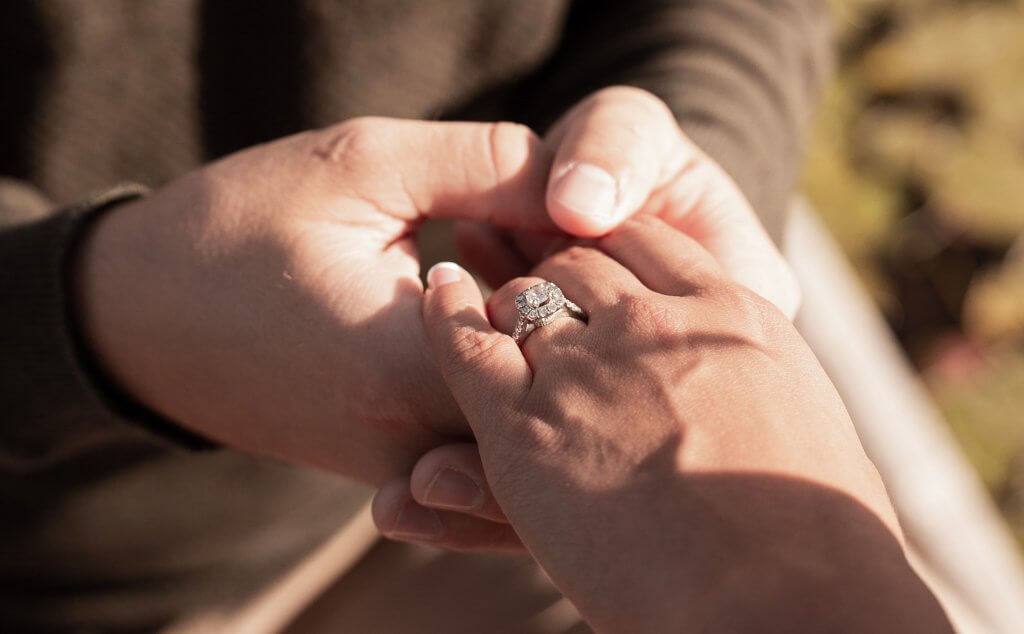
(540, 305)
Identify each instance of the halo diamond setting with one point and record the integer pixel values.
(539, 305)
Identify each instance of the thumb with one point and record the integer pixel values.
(621, 150)
(613, 149)
(493, 172)
(703, 202)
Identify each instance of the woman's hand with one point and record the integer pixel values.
(272, 301)
(680, 461)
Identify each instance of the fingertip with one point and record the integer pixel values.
(385, 504)
(400, 517)
(449, 488)
(451, 477)
(582, 199)
(579, 226)
(397, 515)
(444, 273)
(450, 289)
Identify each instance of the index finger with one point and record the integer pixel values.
(483, 368)
(614, 148)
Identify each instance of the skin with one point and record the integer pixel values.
(680, 462)
(272, 301)
(633, 138)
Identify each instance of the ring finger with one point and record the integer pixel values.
(540, 342)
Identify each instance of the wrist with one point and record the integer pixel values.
(744, 553)
(99, 297)
(802, 556)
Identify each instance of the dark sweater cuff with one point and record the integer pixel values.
(56, 401)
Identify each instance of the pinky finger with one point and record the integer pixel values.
(398, 516)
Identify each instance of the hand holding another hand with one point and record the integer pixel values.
(271, 300)
(680, 461)
(618, 153)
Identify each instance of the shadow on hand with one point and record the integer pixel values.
(739, 553)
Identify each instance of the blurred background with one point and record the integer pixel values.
(916, 164)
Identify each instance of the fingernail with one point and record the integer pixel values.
(453, 489)
(443, 273)
(587, 190)
(416, 522)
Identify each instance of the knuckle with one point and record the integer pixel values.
(650, 317)
(532, 433)
(509, 146)
(575, 254)
(527, 437)
(755, 318)
(468, 349)
(572, 258)
(517, 284)
(353, 140)
(536, 433)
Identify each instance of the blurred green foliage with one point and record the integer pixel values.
(916, 162)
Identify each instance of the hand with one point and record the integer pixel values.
(271, 300)
(680, 461)
(620, 152)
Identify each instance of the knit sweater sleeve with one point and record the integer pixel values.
(741, 76)
(53, 402)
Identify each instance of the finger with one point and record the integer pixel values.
(398, 516)
(588, 277)
(542, 343)
(494, 172)
(534, 246)
(501, 305)
(489, 252)
(613, 149)
(483, 368)
(706, 204)
(666, 260)
(451, 477)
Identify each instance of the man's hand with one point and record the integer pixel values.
(271, 301)
(620, 152)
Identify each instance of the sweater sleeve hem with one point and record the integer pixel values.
(57, 402)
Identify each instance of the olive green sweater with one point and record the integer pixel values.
(110, 519)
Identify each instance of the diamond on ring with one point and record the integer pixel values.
(539, 305)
